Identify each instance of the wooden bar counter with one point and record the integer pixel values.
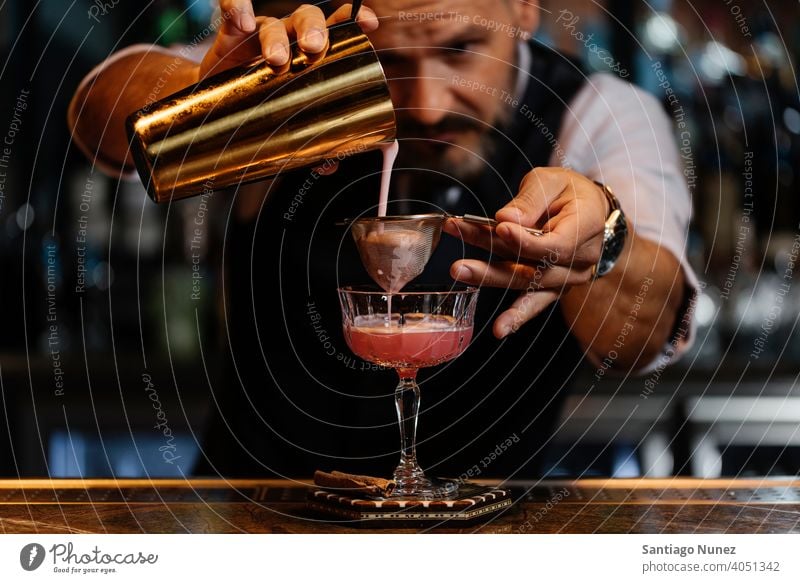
(678, 505)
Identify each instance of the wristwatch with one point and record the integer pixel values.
(614, 235)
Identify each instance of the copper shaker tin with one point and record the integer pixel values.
(251, 122)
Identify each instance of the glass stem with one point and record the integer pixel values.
(406, 397)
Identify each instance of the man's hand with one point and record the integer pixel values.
(572, 211)
(244, 36)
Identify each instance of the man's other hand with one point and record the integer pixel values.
(244, 36)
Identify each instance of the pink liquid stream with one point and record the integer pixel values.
(389, 152)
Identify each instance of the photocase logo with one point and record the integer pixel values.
(31, 556)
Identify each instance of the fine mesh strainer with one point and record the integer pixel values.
(395, 249)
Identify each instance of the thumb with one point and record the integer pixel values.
(537, 191)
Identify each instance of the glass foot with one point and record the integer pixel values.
(420, 487)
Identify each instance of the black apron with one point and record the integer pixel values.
(294, 398)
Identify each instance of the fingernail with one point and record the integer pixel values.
(278, 54)
(463, 272)
(504, 330)
(366, 14)
(247, 23)
(313, 39)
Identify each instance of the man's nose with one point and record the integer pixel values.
(425, 96)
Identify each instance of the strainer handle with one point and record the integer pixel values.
(478, 220)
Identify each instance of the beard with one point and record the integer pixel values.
(426, 163)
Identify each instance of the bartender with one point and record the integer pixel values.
(489, 122)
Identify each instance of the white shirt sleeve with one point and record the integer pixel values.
(618, 134)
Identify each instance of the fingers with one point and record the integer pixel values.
(542, 285)
(241, 14)
(366, 17)
(512, 241)
(569, 208)
(244, 35)
(307, 24)
(525, 308)
(231, 47)
(274, 40)
(537, 191)
(551, 246)
(568, 242)
(507, 274)
(513, 275)
(480, 236)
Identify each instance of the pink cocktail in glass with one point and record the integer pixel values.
(425, 328)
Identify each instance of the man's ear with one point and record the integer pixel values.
(526, 15)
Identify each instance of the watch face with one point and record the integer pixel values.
(613, 244)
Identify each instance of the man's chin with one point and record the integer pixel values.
(460, 163)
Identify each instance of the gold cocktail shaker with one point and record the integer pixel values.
(250, 123)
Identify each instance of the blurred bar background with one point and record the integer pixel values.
(93, 275)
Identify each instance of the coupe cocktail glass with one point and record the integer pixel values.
(425, 328)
